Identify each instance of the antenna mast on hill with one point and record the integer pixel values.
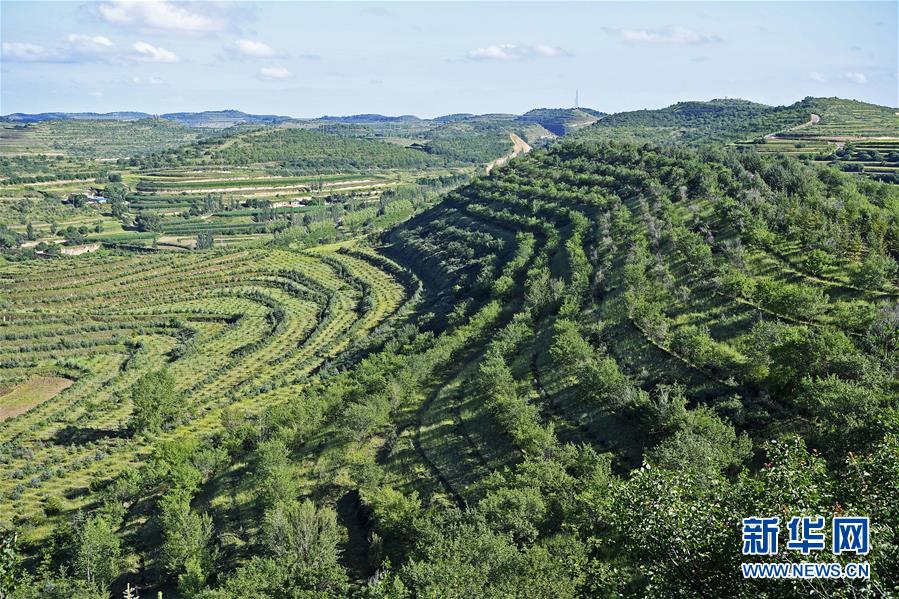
(576, 98)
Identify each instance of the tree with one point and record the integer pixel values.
(875, 271)
(307, 540)
(115, 192)
(818, 352)
(98, 553)
(882, 336)
(300, 533)
(703, 444)
(77, 199)
(395, 515)
(570, 352)
(147, 221)
(187, 548)
(274, 474)
(516, 512)
(73, 236)
(29, 231)
(205, 241)
(816, 262)
(118, 208)
(10, 571)
(8, 237)
(155, 400)
(461, 556)
(846, 413)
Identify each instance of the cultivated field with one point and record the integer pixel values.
(238, 329)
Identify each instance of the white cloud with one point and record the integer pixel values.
(516, 52)
(254, 49)
(158, 14)
(25, 52)
(855, 77)
(671, 35)
(816, 76)
(548, 51)
(138, 81)
(88, 43)
(76, 48)
(150, 53)
(97, 94)
(274, 73)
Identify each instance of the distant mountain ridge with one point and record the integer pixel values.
(559, 120)
(369, 118)
(207, 118)
(724, 119)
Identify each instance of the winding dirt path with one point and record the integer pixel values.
(519, 147)
(814, 119)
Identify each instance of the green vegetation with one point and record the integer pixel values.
(154, 402)
(740, 120)
(94, 139)
(850, 118)
(693, 122)
(297, 151)
(562, 121)
(572, 377)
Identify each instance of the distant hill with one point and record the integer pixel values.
(559, 120)
(220, 119)
(20, 117)
(715, 120)
(562, 121)
(94, 138)
(733, 120)
(481, 138)
(371, 118)
(449, 118)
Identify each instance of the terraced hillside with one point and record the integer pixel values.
(697, 122)
(743, 121)
(109, 139)
(572, 377)
(850, 118)
(705, 314)
(241, 184)
(239, 329)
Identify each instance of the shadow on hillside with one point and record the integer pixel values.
(77, 435)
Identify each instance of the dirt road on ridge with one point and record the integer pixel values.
(519, 147)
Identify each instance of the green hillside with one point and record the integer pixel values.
(562, 121)
(94, 138)
(290, 150)
(570, 378)
(692, 122)
(738, 120)
(480, 139)
(850, 118)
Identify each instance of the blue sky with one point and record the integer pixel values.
(430, 58)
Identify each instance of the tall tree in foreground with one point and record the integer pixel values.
(156, 402)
